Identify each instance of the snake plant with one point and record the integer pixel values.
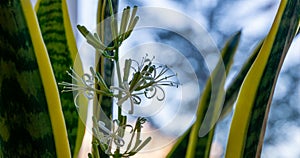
(38, 48)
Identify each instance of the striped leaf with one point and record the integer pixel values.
(233, 89)
(254, 99)
(31, 120)
(190, 145)
(60, 42)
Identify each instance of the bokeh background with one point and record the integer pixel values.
(222, 18)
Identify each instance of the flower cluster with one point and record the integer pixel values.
(146, 80)
(86, 85)
(127, 25)
(107, 138)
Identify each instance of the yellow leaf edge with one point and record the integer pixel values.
(246, 96)
(49, 82)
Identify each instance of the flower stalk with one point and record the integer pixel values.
(139, 79)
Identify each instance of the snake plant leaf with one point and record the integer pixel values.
(254, 99)
(200, 147)
(59, 39)
(208, 113)
(234, 87)
(179, 148)
(31, 119)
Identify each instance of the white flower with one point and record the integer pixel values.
(128, 94)
(147, 80)
(106, 136)
(81, 85)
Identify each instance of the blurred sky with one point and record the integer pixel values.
(222, 18)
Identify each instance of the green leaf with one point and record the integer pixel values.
(200, 147)
(31, 118)
(233, 89)
(60, 42)
(254, 99)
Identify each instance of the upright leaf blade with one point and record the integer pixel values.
(190, 145)
(60, 42)
(250, 116)
(31, 119)
(208, 113)
(233, 89)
